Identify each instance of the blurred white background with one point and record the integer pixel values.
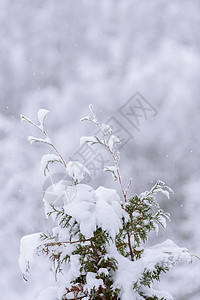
(62, 56)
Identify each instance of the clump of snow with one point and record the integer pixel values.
(94, 118)
(113, 143)
(129, 272)
(77, 171)
(33, 140)
(56, 194)
(164, 192)
(50, 293)
(111, 169)
(28, 245)
(166, 251)
(42, 113)
(156, 227)
(102, 207)
(91, 208)
(150, 292)
(82, 208)
(103, 271)
(92, 282)
(163, 221)
(108, 195)
(75, 265)
(88, 140)
(107, 130)
(47, 159)
(108, 210)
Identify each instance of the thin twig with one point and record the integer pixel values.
(118, 173)
(64, 163)
(73, 242)
(129, 244)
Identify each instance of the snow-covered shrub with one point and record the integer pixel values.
(97, 246)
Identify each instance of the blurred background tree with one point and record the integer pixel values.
(63, 55)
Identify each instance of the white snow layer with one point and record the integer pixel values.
(48, 158)
(113, 143)
(160, 294)
(77, 171)
(88, 139)
(33, 140)
(91, 208)
(28, 244)
(56, 194)
(42, 113)
(92, 282)
(49, 293)
(107, 130)
(130, 271)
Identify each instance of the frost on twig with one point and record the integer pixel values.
(109, 141)
(77, 171)
(33, 140)
(28, 245)
(111, 169)
(90, 140)
(47, 159)
(42, 113)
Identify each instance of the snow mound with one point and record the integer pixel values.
(49, 293)
(28, 244)
(91, 208)
(77, 171)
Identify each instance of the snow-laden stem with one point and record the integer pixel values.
(64, 163)
(105, 143)
(118, 173)
(43, 131)
(117, 168)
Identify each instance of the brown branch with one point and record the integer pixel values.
(129, 244)
(84, 250)
(104, 293)
(92, 265)
(76, 289)
(95, 258)
(119, 246)
(64, 163)
(94, 250)
(74, 242)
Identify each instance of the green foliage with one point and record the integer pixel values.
(147, 278)
(143, 214)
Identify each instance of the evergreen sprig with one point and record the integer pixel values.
(100, 257)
